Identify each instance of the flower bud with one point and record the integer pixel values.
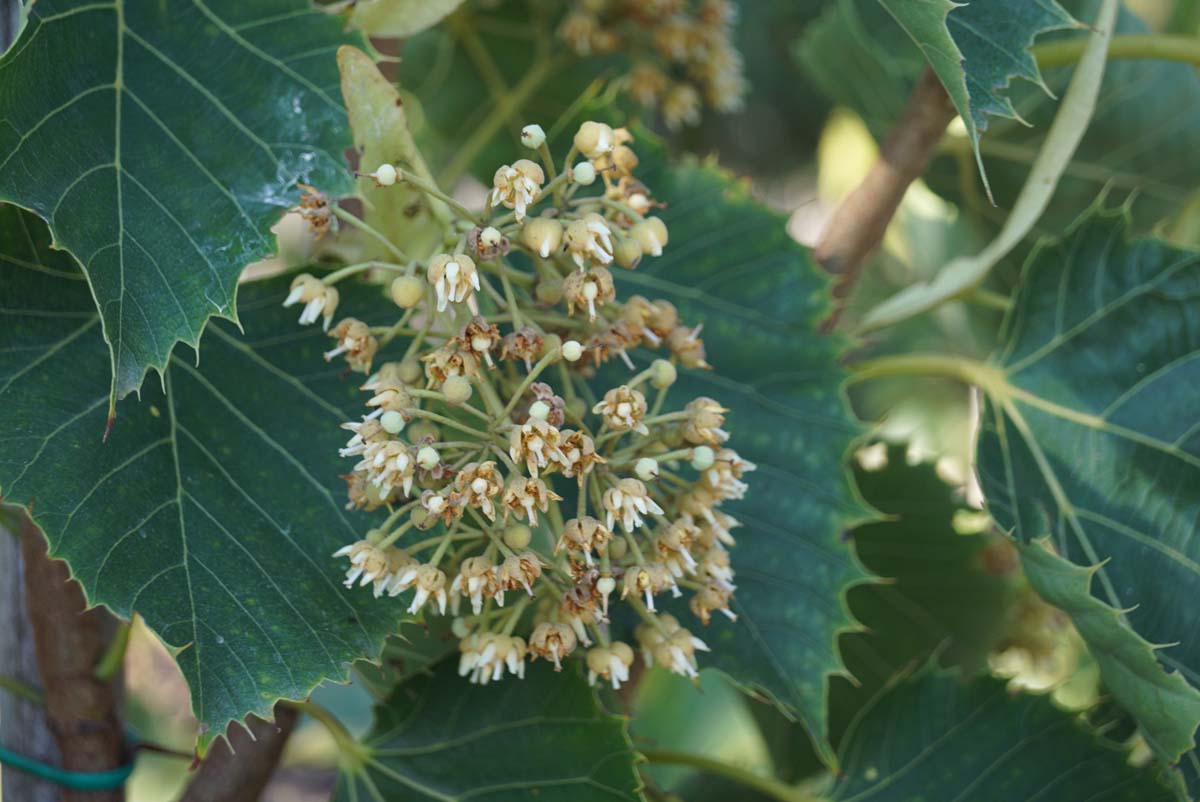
(385, 175)
(422, 429)
(533, 136)
(428, 458)
(457, 390)
(703, 458)
(549, 290)
(646, 469)
(539, 410)
(517, 536)
(628, 252)
(410, 371)
(662, 374)
(407, 291)
(572, 350)
(584, 174)
(490, 237)
(542, 235)
(392, 422)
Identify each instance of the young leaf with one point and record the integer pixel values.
(399, 18)
(214, 506)
(732, 265)
(1091, 435)
(161, 140)
(545, 737)
(977, 48)
(382, 136)
(934, 737)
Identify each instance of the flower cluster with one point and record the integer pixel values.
(521, 499)
(683, 56)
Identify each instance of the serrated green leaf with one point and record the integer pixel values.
(1164, 702)
(161, 140)
(934, 737)
(1091, 435)
(214, 505)
(381, 136)
(732, 265)
(544, 737)
(977, 48)
(399, 18)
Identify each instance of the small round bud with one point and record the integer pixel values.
(576, 408)
(606, 585)
(584, 173)
(628, 252)
(385, 175)
(703, 458)
(551, 344)
(428, 458)
(457, 390)
(420, 518)
(517, 536)
(490, 237)
(533, 137)
(542, 235)
(594, 139)
(436, 503)
(392, 422)
(539, 410)
(410, 371)
(550, 290)
(407, 291)
(646, 469)
(418, 430)
(572, 351)
(662, 374)
(617, 548)
(459, 628)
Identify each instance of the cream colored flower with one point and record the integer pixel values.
(610, 663)
(536, 444)
(517, 185)
(593, 288)
(319, 299)
(454, 279)
(704, 422)
(585, 535)
(484, 656)
(623, 409)
(627, 502)
(355, 341)
(478, 483)
(589, 239)
(527, 497)
(476, 580)
(553, 642)
(578, 454)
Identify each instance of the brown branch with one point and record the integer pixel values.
(858, 225)
(241, 775)
(70, 640)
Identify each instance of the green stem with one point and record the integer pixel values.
(1162, 47)
(949, 366)
(350, 750)
(769, 786)
(21, 690)
(373, 233)
(432, 191)
(543, 363)
(362, 267)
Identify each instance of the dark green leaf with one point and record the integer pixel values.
(732, 265)
(161, 140)
(936, 738)
(545, 737)
(977, 48)
(1092, 437)
(214, 505)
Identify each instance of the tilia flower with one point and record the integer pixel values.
(516, 186)
(454, 279)
(319, 299)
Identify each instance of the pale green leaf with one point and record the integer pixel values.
(438, 738)
(214, 505)
(935, 738)
(399, 18)
(1091, 436)
(161, 140)
(381, 136)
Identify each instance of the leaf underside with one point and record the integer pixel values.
(1094, 442)
(214, 505)
(161, 140)
(934, 737)
(545, 737)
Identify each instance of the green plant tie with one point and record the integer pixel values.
(75, 780)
